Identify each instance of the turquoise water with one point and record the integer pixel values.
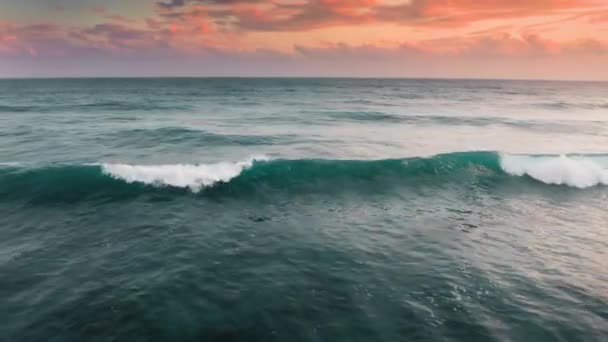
(303, 210)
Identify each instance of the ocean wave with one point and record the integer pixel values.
(363, 116)
(565, 126)
(264, 175)
(110, 106)
(193, 177)
(14, 109)
(179, 135)
(561, 170)
(561, 105)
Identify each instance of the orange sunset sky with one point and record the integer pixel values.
(538, 39)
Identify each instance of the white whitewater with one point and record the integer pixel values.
(192, 176)
(579, 172)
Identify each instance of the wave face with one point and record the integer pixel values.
(260, 174)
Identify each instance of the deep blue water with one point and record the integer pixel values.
(303, 210)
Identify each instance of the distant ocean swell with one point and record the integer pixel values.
(145, 105)
(195, 137)
(100, 106)
(339, 117)
(72, 182)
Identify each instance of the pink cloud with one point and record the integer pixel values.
(98, 9)
(496, 46)
(310, 14)
(192, 33)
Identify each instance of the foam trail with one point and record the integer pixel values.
(562, 170)
(192, 176)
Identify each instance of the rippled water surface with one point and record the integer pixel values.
(303, 210)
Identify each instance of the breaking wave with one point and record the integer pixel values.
(264, 175)
(193, 177)
(561, 170)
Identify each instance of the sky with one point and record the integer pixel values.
(521, 39)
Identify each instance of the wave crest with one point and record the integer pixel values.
(561, 170)
(189, 176)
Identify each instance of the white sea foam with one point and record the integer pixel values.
(192, 176)
(579, 172)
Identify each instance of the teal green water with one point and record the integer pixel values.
(303, 210)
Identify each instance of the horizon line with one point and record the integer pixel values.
(303, 77)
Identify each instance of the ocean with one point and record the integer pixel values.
(238, 209)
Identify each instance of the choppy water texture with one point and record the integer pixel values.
(303, 210)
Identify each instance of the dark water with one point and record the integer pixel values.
(303, 210)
